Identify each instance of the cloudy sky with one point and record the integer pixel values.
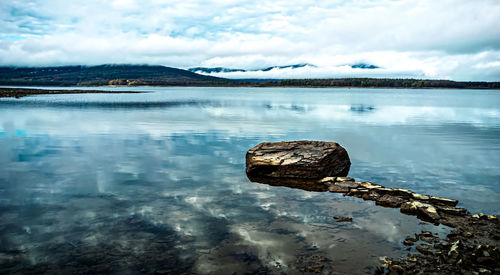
(451, 39)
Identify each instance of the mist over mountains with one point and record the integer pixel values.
(209, 70)
(300, 70)
(155, 75)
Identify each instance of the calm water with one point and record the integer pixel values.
(155, 182)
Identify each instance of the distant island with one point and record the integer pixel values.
(147, 75)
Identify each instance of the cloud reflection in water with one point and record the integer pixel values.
(172, 177)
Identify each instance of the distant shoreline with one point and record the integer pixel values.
(22, 92)
(161, 76)
(14, 92)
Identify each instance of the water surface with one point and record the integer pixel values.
(155, 182)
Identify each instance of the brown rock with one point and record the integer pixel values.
(389, 201)
(430, 239)
(384, 191)
(369, 185)
(408, 242)
(426, 234)
(405, 193)
(420, 197)
(344, 179)
(424, 248)
(338, 189)
(358, 192)
(457, 211)
(443, 201)
(373, 196)
(423, 210)
(297, 159)
(349, 184)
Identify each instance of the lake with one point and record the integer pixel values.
(155, 182)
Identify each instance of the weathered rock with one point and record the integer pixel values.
(399, 192)
(327, 180)
(426, 234)
(339, 186)
(389, 201)
(492, 217)
(350, 184)
(338, 189)
(402, 192)
(443, 201)
(429, 239)
(369, 185)
(457, 211)
(358, 192)
(421, 209)
(409, 241)
(372, 196)
(424, 248)
(420, 197)
(384, 191)
(344, 179)
(453, 252)
(297, 159)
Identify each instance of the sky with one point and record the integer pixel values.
(446, 39)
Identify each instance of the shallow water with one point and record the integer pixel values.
(155, 182)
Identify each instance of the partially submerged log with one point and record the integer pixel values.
(297, 159)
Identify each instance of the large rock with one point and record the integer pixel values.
(297, 159)
(424, 210)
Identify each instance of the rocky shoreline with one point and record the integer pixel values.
(22, 92)
(472, 247)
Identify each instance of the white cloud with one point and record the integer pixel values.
(432, 39)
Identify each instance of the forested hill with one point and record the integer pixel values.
(133, 75)
(381, 83)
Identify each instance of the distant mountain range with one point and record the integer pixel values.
(364, 66)
(142, 75)
(209, 70)
(215, 70)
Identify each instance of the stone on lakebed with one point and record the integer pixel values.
(297, 159)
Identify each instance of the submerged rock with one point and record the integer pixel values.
(297, 159)
(342, 219)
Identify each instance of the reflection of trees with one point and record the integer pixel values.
(362, 108)
(293, 107)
